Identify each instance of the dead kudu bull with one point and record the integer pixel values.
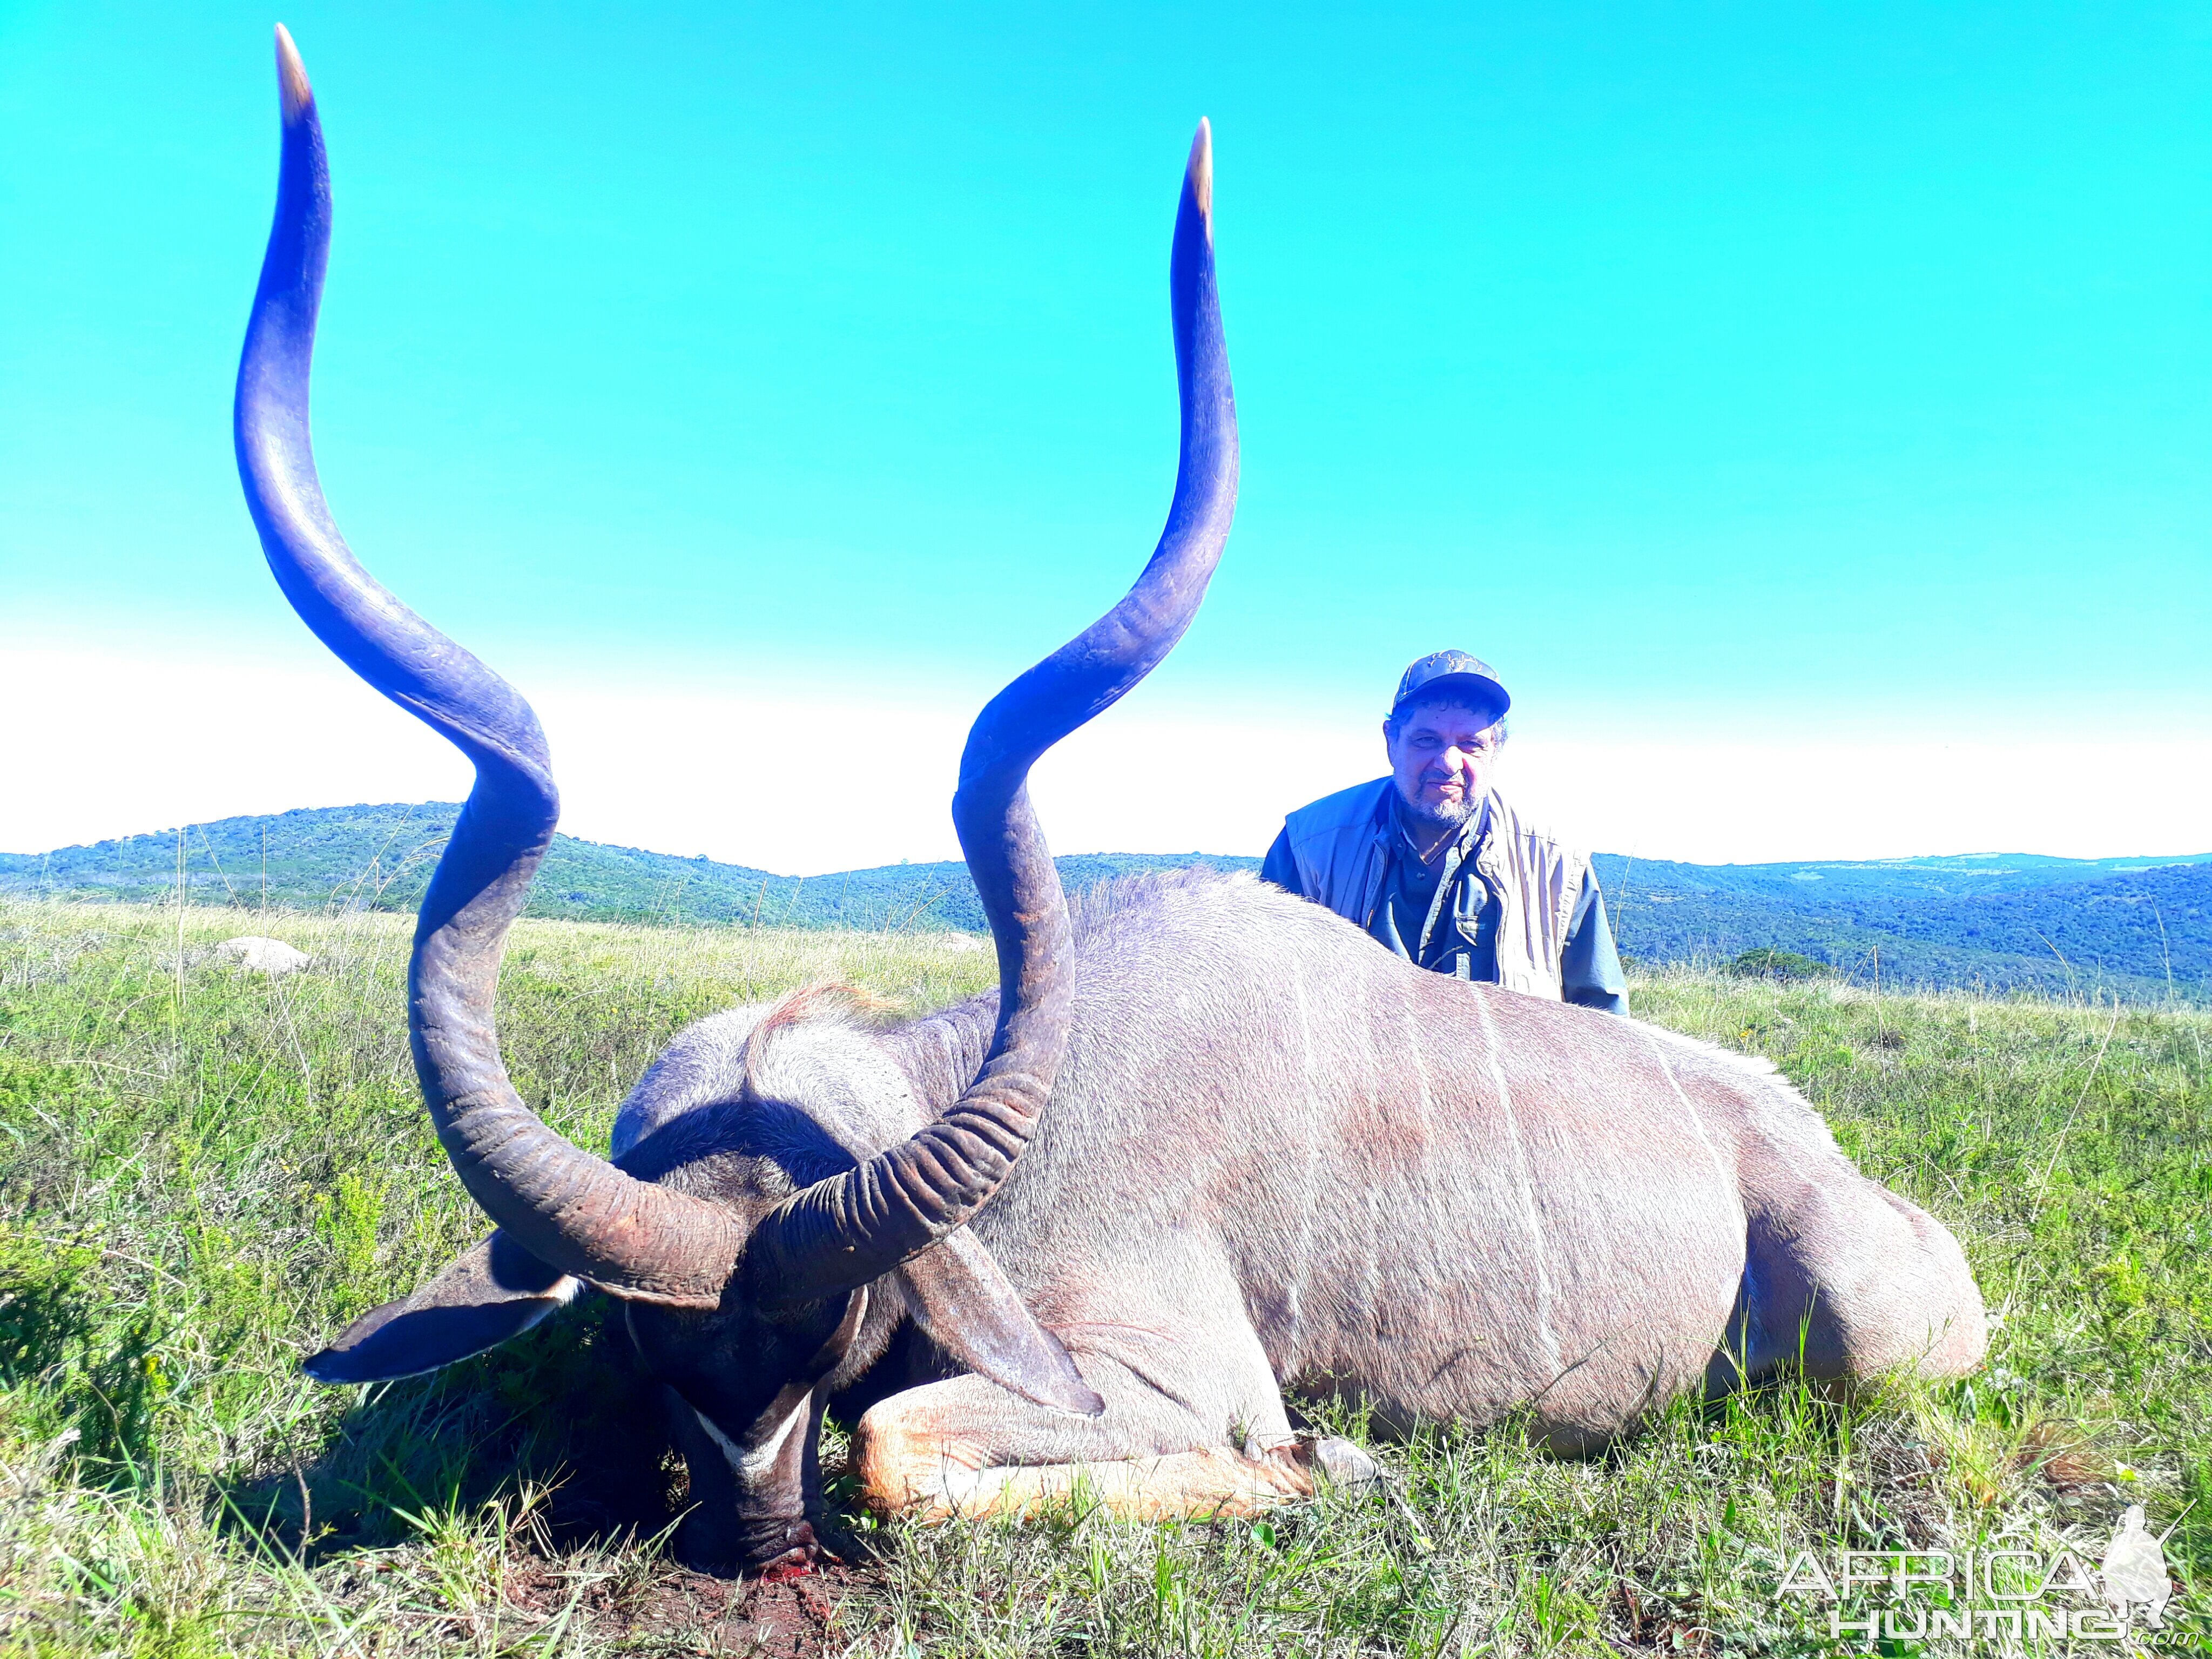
(1204, 1143)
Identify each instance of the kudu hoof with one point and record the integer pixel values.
(1337, 1463)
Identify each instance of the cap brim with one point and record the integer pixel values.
(1477, 689)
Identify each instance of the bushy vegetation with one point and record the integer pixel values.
(204, 1173)
(1766, 963)
(2074, 927)
(326, 859)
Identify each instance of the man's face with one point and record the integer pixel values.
(1442, 757)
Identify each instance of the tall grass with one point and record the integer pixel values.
(204, 1173)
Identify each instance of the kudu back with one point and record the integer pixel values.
(1205, 1143)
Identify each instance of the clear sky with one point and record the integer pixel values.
(1808, 409)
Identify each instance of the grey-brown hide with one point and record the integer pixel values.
(813, 1056)
(1279, 1158)
(1448, 1199)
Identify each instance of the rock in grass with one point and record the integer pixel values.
(263, 956)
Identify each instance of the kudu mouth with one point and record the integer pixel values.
(577, 1212)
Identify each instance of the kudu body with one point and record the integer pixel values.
(1273, 1157)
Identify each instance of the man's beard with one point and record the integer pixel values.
(1442, 815)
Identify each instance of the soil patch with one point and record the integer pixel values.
(675, 1609)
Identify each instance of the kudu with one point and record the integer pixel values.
(1205, 1141)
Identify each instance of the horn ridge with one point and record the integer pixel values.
(576, 1212)
(855, 1226)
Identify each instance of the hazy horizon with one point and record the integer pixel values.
(2147, 859)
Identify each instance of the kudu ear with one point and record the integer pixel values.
(965, 1304)
(495, 1292)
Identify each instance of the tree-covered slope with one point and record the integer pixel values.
(1999, 922)
(379, 858)
(2012, 922)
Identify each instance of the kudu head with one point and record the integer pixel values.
(745, 1248)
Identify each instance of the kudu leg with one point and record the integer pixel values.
(1211, 1483)
(967, 1448)
(1845, 1282)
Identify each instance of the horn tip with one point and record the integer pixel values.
(291, 77)
(1200, 174)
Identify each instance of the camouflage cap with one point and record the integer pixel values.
(1457, 672)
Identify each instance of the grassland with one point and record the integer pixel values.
(204, 1173)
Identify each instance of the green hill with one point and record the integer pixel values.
(2128, 927)
(379, 858)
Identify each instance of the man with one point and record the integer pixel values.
(1434, 864)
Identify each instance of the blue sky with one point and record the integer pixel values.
(1728, 375)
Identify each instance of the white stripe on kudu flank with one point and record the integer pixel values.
(1312, 1105)
(1410, 1047)
(1412, 1052)
(1697, 1118)
(1521, 1176)
(1729, 1187)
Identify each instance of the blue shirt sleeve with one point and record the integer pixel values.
(1590, 968)
(1279, 866)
